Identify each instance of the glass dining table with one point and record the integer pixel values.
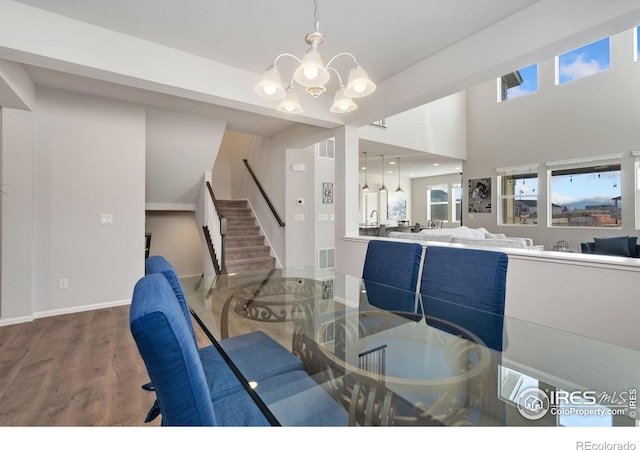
(437, 363)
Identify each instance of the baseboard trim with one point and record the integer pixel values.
(62, 311)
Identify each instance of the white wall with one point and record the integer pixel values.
(89, 160)
(179, 148)
(17, 212)
(228, 170)
(438, 127)
(595, 115)
(175, 235)
(300, 219)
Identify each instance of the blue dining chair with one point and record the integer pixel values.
(191, 387)
(459, 284)
(466, 288)
(258, 356)
(390, 274)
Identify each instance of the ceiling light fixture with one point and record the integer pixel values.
(382, 186)
(365, 186)
(399, 189)
(313, 75)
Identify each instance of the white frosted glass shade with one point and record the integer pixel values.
(342, 103)
(290, 103)
(270, 85)
(311, 71)
(359, 84)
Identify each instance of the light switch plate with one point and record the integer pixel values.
(106, 219)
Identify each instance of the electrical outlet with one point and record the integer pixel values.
(63, 283)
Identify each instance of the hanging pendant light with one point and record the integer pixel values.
(399, 189)
(365, 186)
(382, 186)
(313, 75)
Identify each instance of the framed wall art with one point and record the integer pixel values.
(480, 195)
(327, 193)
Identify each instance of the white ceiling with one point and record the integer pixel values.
(415, 50)
(386, 36)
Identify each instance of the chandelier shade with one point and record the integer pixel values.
(311, 72)
(359, 84)
(270, 85)
(342, 103)
(399, 189)
(382, 186)
(314, 75)
(290, 103)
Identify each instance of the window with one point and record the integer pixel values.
(636, 154)
(516, 84)
(586, 193)
(327, 149)
(518, 195)
(583, 61)
(444, 202)
(438, 202)
(636, 40)
(457, 196)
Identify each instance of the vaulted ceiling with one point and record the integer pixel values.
(205, 56)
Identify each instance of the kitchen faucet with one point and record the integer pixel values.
(371, 215)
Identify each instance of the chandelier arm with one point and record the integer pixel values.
(337, 73)
(275, 61)
(340, 54)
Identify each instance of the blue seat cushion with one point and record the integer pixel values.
(296, 399)
(255, 354)
(259, 356)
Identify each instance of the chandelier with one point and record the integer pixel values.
(313, 75)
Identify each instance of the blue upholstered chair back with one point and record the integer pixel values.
(473, 279)
(159, 264)
(394, 264)
(170, 354)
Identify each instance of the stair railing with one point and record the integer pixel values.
(264, 194)
(215, 231)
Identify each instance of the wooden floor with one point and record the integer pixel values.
(78, 369)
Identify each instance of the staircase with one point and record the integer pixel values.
(244, 247)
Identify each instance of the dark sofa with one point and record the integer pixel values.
(613, 246)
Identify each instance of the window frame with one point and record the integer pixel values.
(636, 190)
(516, 76)
(430, 203)
(558, 82)
(580, 165)
(451, 201)
(525, 171)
